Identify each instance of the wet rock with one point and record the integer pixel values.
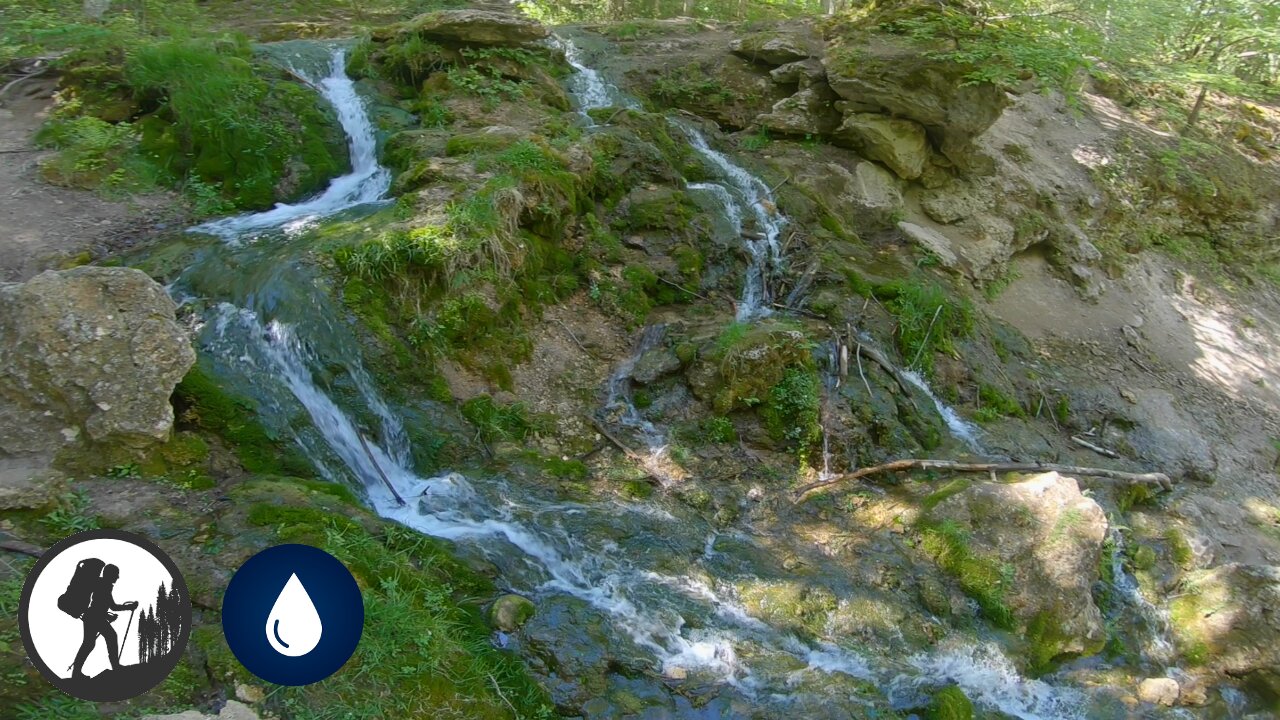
(898, 78)
(470, 26)
(88, 355)
(510, 612)
(1051, 536)
(771, 48)
(26, 486)
(933, 241)
(1224, 618)
(655, 364)
(1159, 691)
(802, 73)
(899, 144)
(808, 112)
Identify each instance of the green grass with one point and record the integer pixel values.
(425, 651)
(70, 516)
(929, 321)
(495, 422)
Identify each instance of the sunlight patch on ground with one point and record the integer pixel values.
(1235, 358)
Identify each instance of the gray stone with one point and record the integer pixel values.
(1159, 691)
(899, 144)
(655, 364)
(233, 710)
(801, 72)
(933, 241)
(989, 242)
(950, 203)
(474, 27)
(88, 355)
(26, 485)
(1051, 536)
(1227, 614)
(770, 48)
(808, 112)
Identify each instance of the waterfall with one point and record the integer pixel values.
(1157, 646)
(587, 85)
(639, 567)
(960, 428)
(764, 251)
(619, 401)
(367, 182)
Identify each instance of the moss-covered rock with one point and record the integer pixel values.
(510, 612)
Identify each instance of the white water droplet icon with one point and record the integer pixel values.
(293, 627)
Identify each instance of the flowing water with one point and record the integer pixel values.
(661, 583)
(960, 428)
(1152, 622)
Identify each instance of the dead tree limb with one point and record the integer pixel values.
(23, 548)
(634, 456)
(365, 444)
(1096, 448)
(1155, 479)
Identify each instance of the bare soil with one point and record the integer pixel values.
(43, 226)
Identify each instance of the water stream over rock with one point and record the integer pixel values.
(640, 593)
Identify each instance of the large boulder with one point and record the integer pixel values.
(470, 27)
(88, 355)
(903, 80)
(772, 48)
(1049, 536)
(899, 144)
(1225, 620)
(808, 112)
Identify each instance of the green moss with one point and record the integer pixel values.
(950, 703)
(637, 489)
(1143, 556)
(752, 359)
(719, 430)
(1132, 495)
(933, 499)
(980, 577)
(795, 606)
(1045, 641)
(668, 210)
(199, 401)
(791, 410)
(1179, 549)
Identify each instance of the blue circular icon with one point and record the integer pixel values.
(292, 615)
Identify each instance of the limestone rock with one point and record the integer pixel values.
(801, 72)
(233, 710)
(1159, 691)
(655, 364)
(474, 27)
(510, 612)
(899, 144)
(989, 242)
(874, 189)
(933, 241)
(901, 79)
(26, 486)
(1226, 617)
(88, 354)
(808, 112)
(771, 48)
(949, 204)
(1051, 535)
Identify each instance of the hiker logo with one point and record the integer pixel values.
(105, 615)
(293, 614)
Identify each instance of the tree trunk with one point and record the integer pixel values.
(1195, 110)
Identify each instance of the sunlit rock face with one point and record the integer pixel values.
(89, 355)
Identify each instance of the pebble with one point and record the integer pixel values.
(1159, 691)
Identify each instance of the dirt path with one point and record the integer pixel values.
(42, 226)
(1196, 364)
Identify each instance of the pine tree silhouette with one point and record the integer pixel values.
(160, 627)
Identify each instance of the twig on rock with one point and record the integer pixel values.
(1158, 480)
(365, 444)
(1096, 448)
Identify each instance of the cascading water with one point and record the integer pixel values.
(1157, 646)
(960, 428)
(367, 182)
(588, 87)
(621, 405)
(649, 571)
(765, 250)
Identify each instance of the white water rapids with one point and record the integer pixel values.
(686, 621)
(367, 182)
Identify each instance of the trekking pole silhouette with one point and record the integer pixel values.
(125, 637)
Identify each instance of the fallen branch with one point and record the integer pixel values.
(867, 385)
(22, 548)
(1096, 448)
(1159, 480)
(774, 189)
(575, 339)
(365, 444)
(682, 288)
(631, 454)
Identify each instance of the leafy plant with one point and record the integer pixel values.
(70, 517)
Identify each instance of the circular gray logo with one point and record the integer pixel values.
(105, 615)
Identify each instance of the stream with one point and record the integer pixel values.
(649, 586)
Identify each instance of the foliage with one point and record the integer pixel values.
(495, 422)
(70, 516)
(928, 320)
(950, 703)
(559, 12)
(791, 410)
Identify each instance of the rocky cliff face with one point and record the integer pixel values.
(88, 356)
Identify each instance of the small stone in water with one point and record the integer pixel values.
(1159, 691)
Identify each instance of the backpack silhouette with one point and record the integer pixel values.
(76, 599)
